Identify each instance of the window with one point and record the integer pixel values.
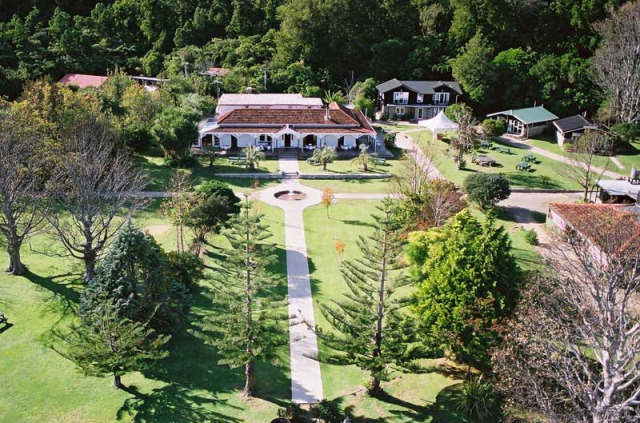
(441, 98)
(420, 98)
(400, 97)
(399, 111)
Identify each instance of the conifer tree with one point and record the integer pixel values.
(113, 346)
(135, 278)
(367, 323)
(249, 321)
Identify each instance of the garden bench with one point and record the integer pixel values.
(523, 166)
(380, 161)
(505, 150)
(3, 319)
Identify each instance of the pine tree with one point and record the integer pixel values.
(113, 346)
(248, 323)
(135, 278)
(367, 323)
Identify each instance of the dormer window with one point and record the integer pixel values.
(420, 98)
(400, 97)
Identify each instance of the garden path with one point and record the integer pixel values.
(407, 143)
(306, 381)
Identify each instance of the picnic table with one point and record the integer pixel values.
(523, 166)
(3, 319)
(485, 144)
(237, 160)
(505, 150)
(529, 158)
(379, 161)
(483, 160)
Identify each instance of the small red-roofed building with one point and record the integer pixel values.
(83, 81)
(611, 231)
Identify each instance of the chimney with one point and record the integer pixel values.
(249, 90)
(326, 113)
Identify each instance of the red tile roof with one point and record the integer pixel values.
(83, 81)
(338, 115)
(217, 71)
(608, 226)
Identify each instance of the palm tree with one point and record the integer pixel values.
(252, 156)
(324, 155)
(365, 159)
(337, 96)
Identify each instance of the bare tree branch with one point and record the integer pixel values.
(94, 184)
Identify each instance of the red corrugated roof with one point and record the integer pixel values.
(83, 81)
(608, 226)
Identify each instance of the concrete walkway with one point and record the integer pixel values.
(306, 381)
(554, 156)
(407, 143)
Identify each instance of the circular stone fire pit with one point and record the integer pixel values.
(290, 195)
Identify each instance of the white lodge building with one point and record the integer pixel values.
(275, 121)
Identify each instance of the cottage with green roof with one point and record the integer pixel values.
(525, 123)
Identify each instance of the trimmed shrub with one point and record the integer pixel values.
(390, 140)
(531, 236)
(486, 189)
(494, 127)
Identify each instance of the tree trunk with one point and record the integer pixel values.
(16, 267)
(365, 167)
(89, 266)
(117, 381)
(374, 385)
(324, 165)
(250, 379)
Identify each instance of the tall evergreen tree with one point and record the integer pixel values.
(468, 282)
(136, 280)
(249, 319)
(367, 322)
(113, 346)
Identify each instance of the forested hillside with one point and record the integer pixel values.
(505, 53)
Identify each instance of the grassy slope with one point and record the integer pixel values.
(546, 173)
(41, 386)
(409, 397)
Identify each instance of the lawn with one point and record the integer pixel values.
(409, 397)
(546, 172)
(348, 166)
(159, 173)
(394, 126)
(352, 186)
(41, 386)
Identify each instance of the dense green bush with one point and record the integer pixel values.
(486, 189)
(628, 132)
(494, 127)
(328, 411)
(531, 236)
(390, 140)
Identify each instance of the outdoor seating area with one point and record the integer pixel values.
(483, 160)
(239, 161)
(504, 150)
(529, 158)
(525, 166)
(3, 319)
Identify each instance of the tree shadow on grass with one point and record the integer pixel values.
(357, 223)
(530, 180)
(171, 403)
(64, 296)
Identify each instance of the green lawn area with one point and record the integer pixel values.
(348, 166)
(159, 173)
(409, 397)
(630, 158)
(41, 386)
(394, 127)
(351, 186)
(545, 173)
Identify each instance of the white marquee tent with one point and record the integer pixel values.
(439, 123)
